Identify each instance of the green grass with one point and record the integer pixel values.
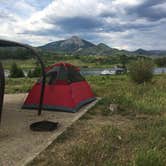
(23, 64)
(19, 85)
(84, 61)
(108, 144)
(130, 96)
(134, 135)
(149, 158)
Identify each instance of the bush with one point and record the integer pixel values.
(16, 72)
(141, 71)
(34, 73)
(160, 62)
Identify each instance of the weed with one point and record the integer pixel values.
(149, 158)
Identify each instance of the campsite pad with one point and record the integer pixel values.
(18, 144)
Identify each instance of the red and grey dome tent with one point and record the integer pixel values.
(65, 90)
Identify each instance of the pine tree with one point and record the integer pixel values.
(16, 72)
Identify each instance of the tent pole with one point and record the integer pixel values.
(43, 78)
(6, 43)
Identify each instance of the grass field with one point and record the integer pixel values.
(19, 85)
(24, 64)
(83, 61)
(133, 135)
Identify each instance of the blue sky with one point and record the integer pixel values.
(123, 24)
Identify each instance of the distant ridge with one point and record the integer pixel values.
(67, 46)
(78, 46)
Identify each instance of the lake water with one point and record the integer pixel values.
(160, 70)
(97, 71)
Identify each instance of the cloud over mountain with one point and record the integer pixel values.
(128, 24)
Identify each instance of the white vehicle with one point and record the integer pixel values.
(107, 72)
(113, 72)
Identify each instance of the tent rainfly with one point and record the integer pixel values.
(66, 90)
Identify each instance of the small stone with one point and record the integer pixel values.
(113, 107)
(119, 137)
(141, 116)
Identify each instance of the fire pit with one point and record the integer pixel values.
(44, 126)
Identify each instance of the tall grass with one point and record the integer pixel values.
(149, 158)
(116, 139)
(19, 85)
(146, 98)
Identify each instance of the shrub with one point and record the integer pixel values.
(34, 73)
(16, 72)
(161, 62)
(141, 71)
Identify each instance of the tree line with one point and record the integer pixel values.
(17, 72)
(15, 53)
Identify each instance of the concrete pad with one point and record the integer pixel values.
(18, 144)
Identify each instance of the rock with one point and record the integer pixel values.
(142, 116)
(113, 107)
(119, 137)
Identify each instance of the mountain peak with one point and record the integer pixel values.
(75, 38)
(103, 45)
(141, 51)
(69, 45)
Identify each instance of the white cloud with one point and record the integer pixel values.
(23, 21)
(127, 2)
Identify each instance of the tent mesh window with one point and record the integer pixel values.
(51, 75)
(74, 75)
(51, 78)
(63, 73)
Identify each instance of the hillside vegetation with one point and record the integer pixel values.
(75, 46)
(132, 135)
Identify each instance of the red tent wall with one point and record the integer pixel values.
(61, 96)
